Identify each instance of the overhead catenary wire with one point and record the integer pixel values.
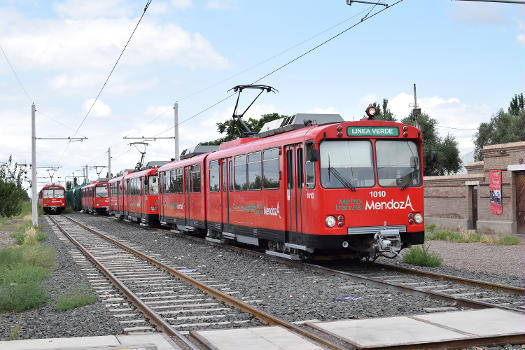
(362, 20)
(113, 69)
(167, 109)
(109, 76)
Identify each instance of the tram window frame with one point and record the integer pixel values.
(178, 185)
(270, 157)
(309, 166)
(196, 178)
(224, 166)
(254, 165)
(214, 174)
(289, 169)
(299, 167)
(240, 169)
(230, 174)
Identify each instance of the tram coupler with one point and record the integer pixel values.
(387, 243)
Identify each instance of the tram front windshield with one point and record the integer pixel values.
(101, 191)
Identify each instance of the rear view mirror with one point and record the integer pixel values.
(312, 154)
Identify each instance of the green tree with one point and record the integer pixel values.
(503, 127)
(446, 148)
(232, 127)
(383, 112)
(12, 193)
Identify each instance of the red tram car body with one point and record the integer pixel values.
(183, 194)
(94, 197)
(349, 186)
(141, 199)
(52, 199)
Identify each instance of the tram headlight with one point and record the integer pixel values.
(418, 218)
(330, 221)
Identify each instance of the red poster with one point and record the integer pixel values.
(495, 192)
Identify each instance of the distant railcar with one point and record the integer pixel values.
(52, 199)
(94, 197)
(141, 196)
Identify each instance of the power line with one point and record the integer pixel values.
(364, 19)
(113, 69)
(258, 64)
(31, 100)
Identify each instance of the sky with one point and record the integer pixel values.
(466, 58)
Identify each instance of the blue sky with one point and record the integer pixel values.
(467, 60)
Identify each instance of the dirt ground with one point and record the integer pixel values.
(5, 234)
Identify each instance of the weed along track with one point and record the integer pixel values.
(173, 299)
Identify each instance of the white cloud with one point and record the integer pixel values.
(181, 3)
(221, 4)
(478, 13)
(91, 8)
(453, 116)
(100, 109)
(94, 43)
(327, 110)
(367, 100)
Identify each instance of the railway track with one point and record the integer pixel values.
(169, 296)
(458, 292)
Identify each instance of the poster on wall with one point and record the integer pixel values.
(495, 192)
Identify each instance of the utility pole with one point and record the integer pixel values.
(109, 163)
(176, 129)
(416, 111)
(34, 209)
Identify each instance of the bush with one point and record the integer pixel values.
(78, 295)
(22, 297)
(11, 203)
(33, 234)
(68, 210)
(22, 274)
(420, 255)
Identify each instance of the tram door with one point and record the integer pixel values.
(187, 206)
(294, 188)
(225, 200)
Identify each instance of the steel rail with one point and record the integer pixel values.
(259, 314)
(358, 277)
(450, 278)
(151, 315)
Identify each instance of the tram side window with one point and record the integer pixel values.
(214, 176)
(224, 175)
(153, 185)
(310, 166)
(254, 171)
(240, 173)
(271, 169)
(196, 178)
(179, 180)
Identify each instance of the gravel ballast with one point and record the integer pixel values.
(288, 292)
(45, 322)
(490, 263)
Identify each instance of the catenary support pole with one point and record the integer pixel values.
(34, 184)
(109, 163)
(176, 116)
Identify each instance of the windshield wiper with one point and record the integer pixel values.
(340, 177)
(404, 187)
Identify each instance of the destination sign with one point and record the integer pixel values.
(380, 131)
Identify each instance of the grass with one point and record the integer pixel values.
(23, 268)
(421, 256)
(27, 231)
(431, 233)
(78, 295)
(68, 210)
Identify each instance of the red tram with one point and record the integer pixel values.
(52, 199)
(141, 196)
(311, 183)
(94, 197)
